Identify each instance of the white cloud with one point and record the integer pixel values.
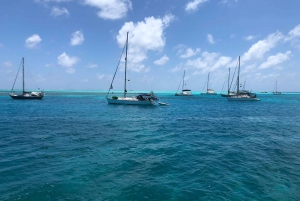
(67, 61)
(85, 80)
(250, 37)
(33, 41)
(162, 60)
(143, 36)
(294, 32)
(209, 62)
(210, 39)
(1, 45)
(91, 66)
(77, 38)
(59, 11)
(193, 5)
(111, 9)
(258, 50)
(7, 64)
(275, 59)
(189, 52)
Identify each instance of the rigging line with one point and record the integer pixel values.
(32, 78)
(180, 84)
(233, 75)
(16, 77)
(110, 87)
(224, 82)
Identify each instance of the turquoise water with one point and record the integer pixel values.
(74, 146)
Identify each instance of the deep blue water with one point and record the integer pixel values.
(74, 146)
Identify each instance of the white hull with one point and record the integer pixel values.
(129, 101)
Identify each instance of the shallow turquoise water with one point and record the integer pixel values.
(74, 146)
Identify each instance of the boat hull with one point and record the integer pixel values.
(242, 99)
(183, 94)
(208, 93)
(129, 101)
(26, 97)
(227, 95)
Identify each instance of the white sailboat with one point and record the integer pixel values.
(184, 92)
(25, 94)
(242, 95)
(208, 91)
(141, 99)
(276, 92)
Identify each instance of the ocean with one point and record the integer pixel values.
(72, 145)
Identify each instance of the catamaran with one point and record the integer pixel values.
(184, 92)
(141, 99)
(25, 94)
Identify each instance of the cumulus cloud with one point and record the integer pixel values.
(33, 41)
(275, 59)
(112, 10)
(162, 60)
(209, 62)
(210, 39)
(258, 50)
(184, 52)
(193, 5)
(68, 62)
(91, 66)
(59, 11)
(144, 36)
(77, 38)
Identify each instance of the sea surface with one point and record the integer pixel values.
(72, 145)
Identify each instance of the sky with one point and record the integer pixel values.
(77, 44)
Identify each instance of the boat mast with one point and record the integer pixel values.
(207, 82)
(125, 66)
(276, 87)
(228, 81)
(23, 76)
(238, 78)
(183, 79)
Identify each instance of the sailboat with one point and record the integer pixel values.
(25, 94)
(184, 92)
(141, 99)
(208, 91)
(229, 93)
(242, 95)
(276, 92)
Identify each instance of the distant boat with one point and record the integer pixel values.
(25, 94)
(263, 92)
(184, 92)
(208, 91)
(242, 95)
(141, 99)
(276, 92)
(229, 93)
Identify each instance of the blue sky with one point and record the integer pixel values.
(76, 44)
